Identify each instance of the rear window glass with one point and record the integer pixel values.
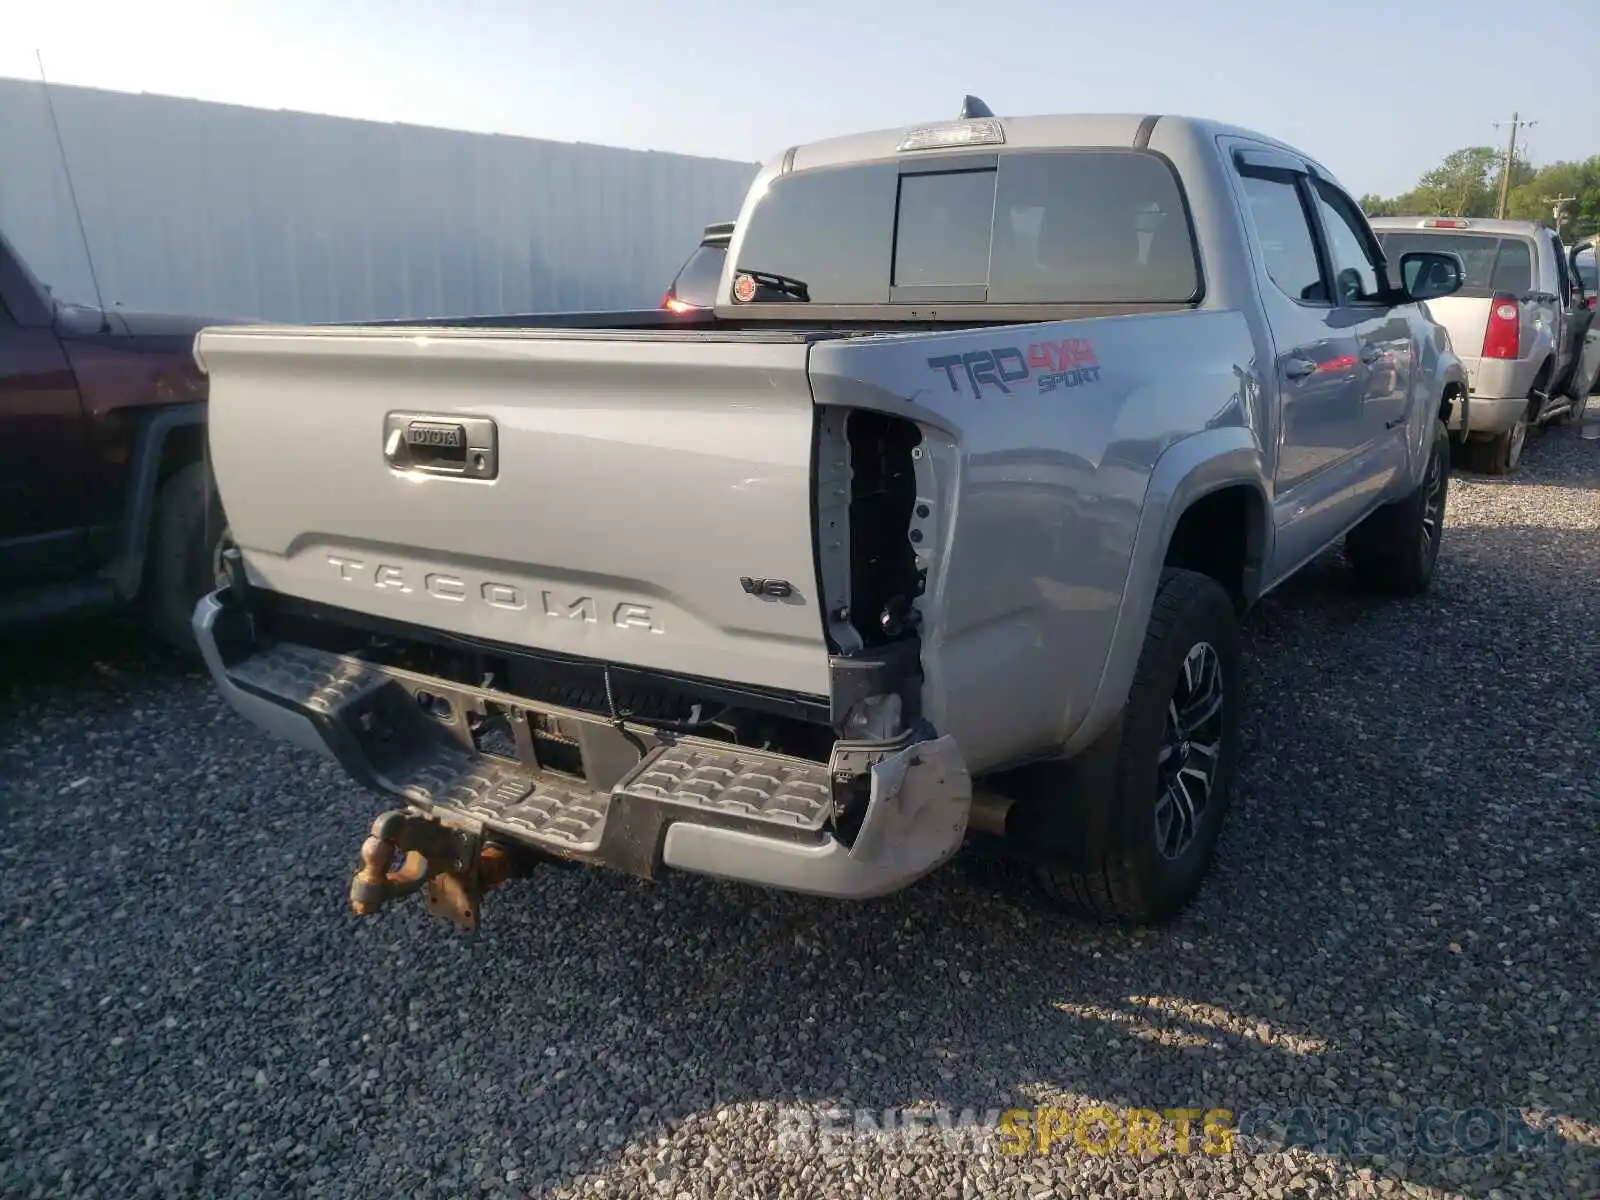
(942, 236)
(1070, 226)
(1493, 264)
(697, 280)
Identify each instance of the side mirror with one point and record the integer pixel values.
(1426, 275)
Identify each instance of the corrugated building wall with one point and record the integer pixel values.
(221, 210)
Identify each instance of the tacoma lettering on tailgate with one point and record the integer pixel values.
(625, 614)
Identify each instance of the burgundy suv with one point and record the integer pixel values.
(104, 497)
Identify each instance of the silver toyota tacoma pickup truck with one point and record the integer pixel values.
(940, 522)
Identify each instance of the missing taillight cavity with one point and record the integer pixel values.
(884, 579)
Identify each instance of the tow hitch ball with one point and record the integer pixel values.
(409, 852)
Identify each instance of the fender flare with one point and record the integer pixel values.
(126, 570)
(1186, 471)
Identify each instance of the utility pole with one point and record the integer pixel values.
(1511, 157)
(1558, 208)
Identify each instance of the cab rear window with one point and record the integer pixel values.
(1494, 264)
(1020, 227)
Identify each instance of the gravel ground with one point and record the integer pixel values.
(1403, 916)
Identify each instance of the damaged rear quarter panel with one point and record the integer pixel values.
(1042, 486)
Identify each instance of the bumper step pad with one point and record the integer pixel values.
(685, 779)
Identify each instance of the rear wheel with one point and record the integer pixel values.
(1129, 828)
(1395, 549)
(1501, 454)
(185, 559)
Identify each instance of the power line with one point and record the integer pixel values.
(1511, 157)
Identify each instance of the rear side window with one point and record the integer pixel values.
(1283, 232)
(1493, 264)
(698, 278)
(1022, 227)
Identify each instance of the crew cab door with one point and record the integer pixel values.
(42, 536)
(1384, 331)
(1569, 314)
(1325, 427)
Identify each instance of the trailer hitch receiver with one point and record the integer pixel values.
(409, 852)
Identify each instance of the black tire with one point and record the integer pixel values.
(1098, 824)
(185, 538)
(1501, 454)
(1393, 552)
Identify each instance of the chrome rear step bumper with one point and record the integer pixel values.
(638, 800)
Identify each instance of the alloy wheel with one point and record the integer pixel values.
(1191, 750)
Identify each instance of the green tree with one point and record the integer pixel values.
(1462, 185)
(1533, 199)
(1376, 206)
(1467, 184)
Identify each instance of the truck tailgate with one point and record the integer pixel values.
(625, 486)
(1465, 318)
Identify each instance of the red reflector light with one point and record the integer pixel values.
(1503, 337)
(1590, 302)
(1446, 223)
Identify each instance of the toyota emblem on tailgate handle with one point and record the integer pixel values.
(436, 444)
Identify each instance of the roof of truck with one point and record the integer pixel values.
(1470, 225)
(1031, 132)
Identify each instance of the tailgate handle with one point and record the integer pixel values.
(441, 444)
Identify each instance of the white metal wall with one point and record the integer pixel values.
(226, 211)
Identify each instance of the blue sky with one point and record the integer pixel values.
(1378, 91)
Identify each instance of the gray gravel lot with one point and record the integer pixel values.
(1403, 916)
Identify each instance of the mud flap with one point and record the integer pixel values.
(917, 809)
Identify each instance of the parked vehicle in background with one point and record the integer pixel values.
(995, 428)
(104, 500)
(1518, 325)
(695, 285)
(1583, 261)
(1586, 376)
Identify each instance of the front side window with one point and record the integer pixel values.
(1283, 233)
(1355, 271)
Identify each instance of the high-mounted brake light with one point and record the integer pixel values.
(1503, 337)
(1446, 223)
(981, 132)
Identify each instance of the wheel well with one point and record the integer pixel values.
(183, 445)
(1221, 535)
(1539, 392)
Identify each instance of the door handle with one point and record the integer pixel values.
(1370, 354)
(1298, 368)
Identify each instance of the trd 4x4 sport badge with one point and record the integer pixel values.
(1068, 363)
